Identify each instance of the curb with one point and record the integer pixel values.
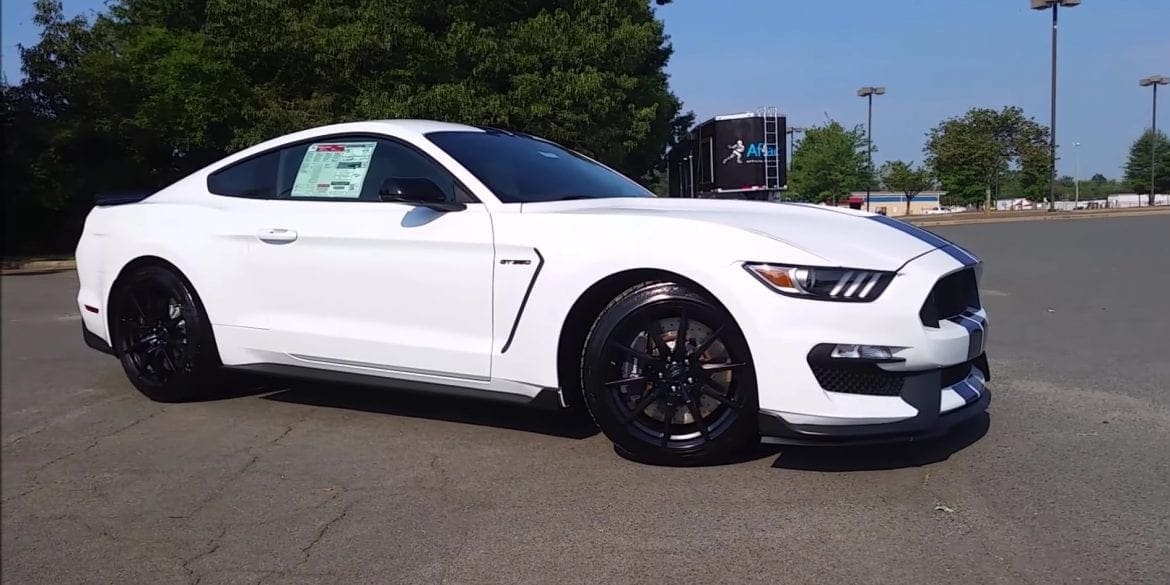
(1039, 217)
(40, 267)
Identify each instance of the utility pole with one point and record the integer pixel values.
(868, 93)
(1154, 81)
(1055, 6)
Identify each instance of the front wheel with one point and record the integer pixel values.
(162, 336)
(668, 377)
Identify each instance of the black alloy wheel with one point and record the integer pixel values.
(668, 377)
(161, 335)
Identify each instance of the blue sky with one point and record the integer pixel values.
(936, 57)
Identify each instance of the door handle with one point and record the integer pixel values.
(277, 236)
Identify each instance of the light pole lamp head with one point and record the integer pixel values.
(1155, 80)
(1044, 4)
(868, 91)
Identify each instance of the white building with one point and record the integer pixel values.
(1137, 200)
(1014, 204)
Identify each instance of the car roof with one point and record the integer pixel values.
(425, 126)
(403, 127)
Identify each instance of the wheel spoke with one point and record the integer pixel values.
(706, 343)
(156, 359)
(624, 381)
(137, 306)
(654, 332)
(680, 338)
(693, 406)
(167, 361)
(709, 390)
(642, 405)
(139, 345)
(634, 352)
(666, 422)
(709, 369)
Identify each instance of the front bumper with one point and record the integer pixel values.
(925, 391)
(799, 401)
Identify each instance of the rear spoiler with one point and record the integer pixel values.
(120, 197)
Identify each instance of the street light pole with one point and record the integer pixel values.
(691, 175)
(1077, 175)
(1155, 81)
(868, 93)
(792, 143)
(1055, 5)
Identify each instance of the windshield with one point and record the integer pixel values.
(520, 169)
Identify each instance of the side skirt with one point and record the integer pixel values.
(546, 399)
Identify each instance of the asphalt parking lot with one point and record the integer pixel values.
(1067, 481)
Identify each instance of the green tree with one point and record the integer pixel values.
(1137, 168)
(903, 177)
(971, 155)
(153, 89)
(829, 162)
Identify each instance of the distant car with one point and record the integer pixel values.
(941, 210)
(428, 256)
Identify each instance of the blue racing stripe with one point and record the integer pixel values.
(965, 323)
(976, 327)
(912, 230)
(964, 257)
(965, 391)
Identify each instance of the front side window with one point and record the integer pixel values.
(521, 169)
(334, 169)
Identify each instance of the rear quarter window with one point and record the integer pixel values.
(254, 178)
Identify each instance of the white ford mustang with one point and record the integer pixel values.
(440, 257)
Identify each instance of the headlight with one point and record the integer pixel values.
(826, 284)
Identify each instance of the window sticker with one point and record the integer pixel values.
(334, 169)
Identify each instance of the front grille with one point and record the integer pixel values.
(870, 380)
(952, 295)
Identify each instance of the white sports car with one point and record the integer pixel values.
(439, 257)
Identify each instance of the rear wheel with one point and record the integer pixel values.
(161, 335)
(668, 377)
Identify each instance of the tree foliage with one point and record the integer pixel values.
(828, 162)
(153, 89)
(904, 178)
(971, 154)
(1138, 166)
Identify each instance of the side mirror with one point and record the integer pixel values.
(417, 191)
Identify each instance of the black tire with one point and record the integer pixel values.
(162, 336)
(636, 379)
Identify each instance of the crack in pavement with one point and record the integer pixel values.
(212, 546)
(96, 441)
(30, 490)
(34, 473)
(308, 550)
(17, 437)
(218, 491)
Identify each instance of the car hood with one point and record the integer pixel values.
(842, 237)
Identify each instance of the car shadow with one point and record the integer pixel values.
(575, 423)
(569, 423)
(884, 456)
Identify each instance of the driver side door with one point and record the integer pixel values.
(353, 283)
